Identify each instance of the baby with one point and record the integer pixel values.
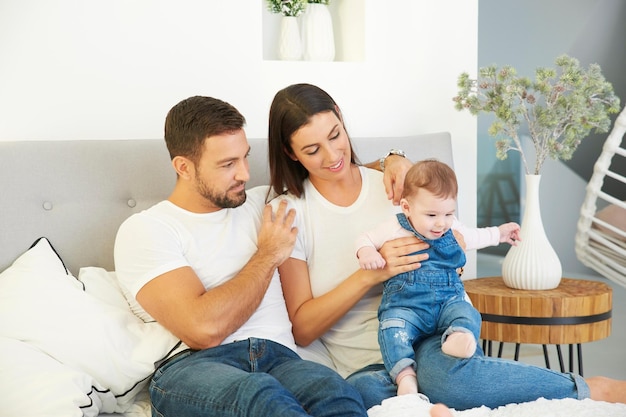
(430, 300)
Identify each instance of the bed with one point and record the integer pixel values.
(69, 343)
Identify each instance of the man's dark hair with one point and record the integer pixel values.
(193, 120)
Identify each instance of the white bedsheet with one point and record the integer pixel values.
(411, 406)
(408, 405)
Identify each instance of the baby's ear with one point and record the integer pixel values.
(406, 208)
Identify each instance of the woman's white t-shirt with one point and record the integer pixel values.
(326, 236)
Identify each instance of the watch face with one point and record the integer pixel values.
(397, 152)
(391, 152)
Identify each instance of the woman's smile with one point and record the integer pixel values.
(337, 167)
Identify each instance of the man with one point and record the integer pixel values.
(203, 264)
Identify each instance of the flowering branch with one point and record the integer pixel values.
(559, 108)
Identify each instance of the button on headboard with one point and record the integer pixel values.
(77, 193)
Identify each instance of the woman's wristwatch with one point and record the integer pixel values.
(391, 152)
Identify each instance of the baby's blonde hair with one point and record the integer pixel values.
(432, 175)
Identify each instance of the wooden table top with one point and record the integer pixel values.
(576, 311)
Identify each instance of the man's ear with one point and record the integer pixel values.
(183, 167)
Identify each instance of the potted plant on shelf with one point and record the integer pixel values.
(289, 43)
(557, 110)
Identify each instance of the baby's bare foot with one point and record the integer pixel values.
(440, 410)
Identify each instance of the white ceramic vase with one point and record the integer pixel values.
(289, 43)
(317, 33)
(532, 264)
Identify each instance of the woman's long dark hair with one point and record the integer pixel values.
(291, 109)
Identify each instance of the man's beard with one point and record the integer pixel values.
(226, 199)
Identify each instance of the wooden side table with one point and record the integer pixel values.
(575, 312)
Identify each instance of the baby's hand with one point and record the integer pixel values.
(369, 258)
(509, 233)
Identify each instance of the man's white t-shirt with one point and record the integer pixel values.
(215, 245)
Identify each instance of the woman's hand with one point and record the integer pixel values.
(398, 258)
(396, 168)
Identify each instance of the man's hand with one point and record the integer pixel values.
(277, 236)
(369, 258)
(396, 168)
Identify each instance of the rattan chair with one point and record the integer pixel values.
(600, 244)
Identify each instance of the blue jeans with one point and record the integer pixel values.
(419, 304)
(254, 377)
(473, 382)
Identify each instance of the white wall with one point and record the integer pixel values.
(76, 69)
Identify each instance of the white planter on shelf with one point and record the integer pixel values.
(532, 264)
(289, 43)
(317, 33)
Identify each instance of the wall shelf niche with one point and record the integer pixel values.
(348, 27)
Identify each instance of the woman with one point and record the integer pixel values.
(332, 303)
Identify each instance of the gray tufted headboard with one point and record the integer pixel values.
(77, 193)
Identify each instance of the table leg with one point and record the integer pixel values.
(580, 359)
(560, 355)
(545, 355)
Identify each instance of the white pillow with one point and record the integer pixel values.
(103, 285)
(35, 384)
(44, 306)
